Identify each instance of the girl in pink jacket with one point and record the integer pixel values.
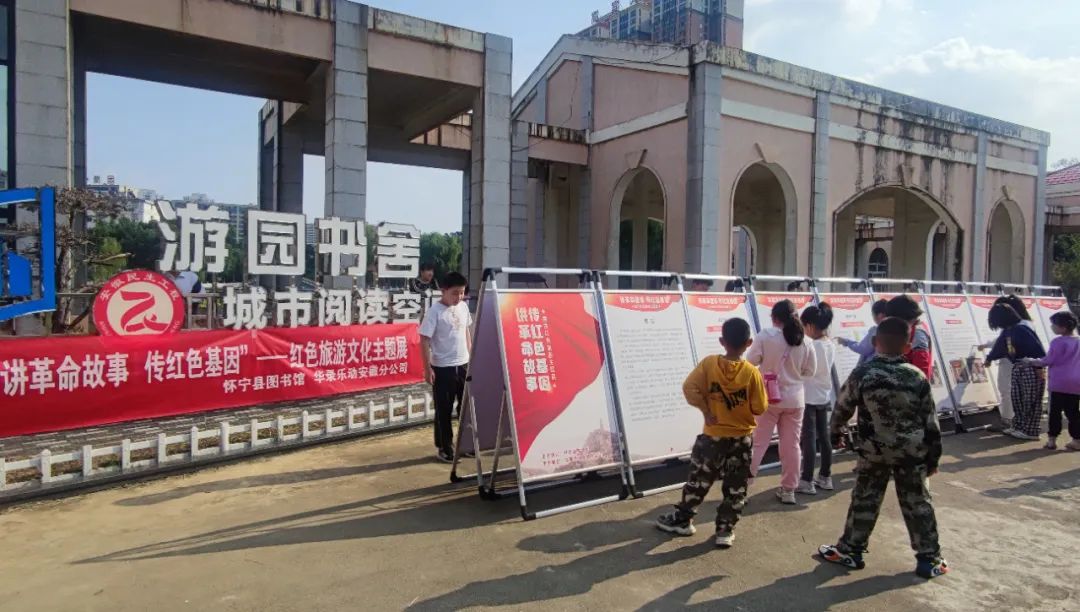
(783, 350)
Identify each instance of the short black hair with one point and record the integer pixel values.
(878, 309)
(1003, 316)
(892, 335)
(735, 332)
(818, 315)
(1066, 320)
(454, 279)
(701, 281)
(426, 266)
(904, 307)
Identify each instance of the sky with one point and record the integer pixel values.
(1000, 58)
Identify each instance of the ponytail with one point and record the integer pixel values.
(783, 312)
(818, 315)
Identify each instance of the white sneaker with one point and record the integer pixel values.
(806, 488)
(824, 483)
(786, 496)
(1051, 444)
(1073, 446)
(724, 539)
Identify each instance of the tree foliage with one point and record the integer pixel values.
(1067, 264)
(138, 241)
(1064, 162)
(441, 250)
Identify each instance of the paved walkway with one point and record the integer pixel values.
(371, 524)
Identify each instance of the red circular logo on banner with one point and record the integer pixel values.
(139, 303)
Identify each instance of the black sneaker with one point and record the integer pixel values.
(833, 554)
(677, 522)
(444, 456)
(931, 569)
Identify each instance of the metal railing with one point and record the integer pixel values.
(48, 472)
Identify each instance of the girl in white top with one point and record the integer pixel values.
(784, 351)
(819, 400)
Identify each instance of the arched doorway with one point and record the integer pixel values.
(743, 247)
(878, 264)
(638, 214)
(922, 237)
(1005, 244)
(763, 210)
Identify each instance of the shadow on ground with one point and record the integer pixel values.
(809, 590)
(264, 480)
(1046, 487)
(626, 546)
(432, 509)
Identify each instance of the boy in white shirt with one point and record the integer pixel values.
(446, 343)
(819, 398)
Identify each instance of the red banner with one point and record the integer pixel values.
(555, 360)
(50, 384)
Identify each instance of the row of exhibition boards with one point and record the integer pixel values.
(589, 380)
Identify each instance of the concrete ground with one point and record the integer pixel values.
(372, 524)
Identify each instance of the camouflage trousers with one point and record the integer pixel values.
(724, 459)
(871, 481)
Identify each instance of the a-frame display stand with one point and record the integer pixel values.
(533, 397)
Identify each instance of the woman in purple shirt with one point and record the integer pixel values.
(1063, 361)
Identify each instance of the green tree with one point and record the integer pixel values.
(111, 260)
(139, 241)
(234, 263)
(1067, 264)
(441, 250)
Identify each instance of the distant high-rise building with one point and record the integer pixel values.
(677, 22)
(237, 214)
(111, 188)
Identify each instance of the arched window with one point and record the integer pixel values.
(878, 266)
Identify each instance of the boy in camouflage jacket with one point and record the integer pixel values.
(897, 436)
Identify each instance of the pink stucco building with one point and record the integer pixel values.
(708, 158)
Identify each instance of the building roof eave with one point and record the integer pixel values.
(570, 46)
(800, 76)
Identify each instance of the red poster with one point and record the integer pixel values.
(558, 382)
(50, 384)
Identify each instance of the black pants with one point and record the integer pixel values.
(815, 438)
(449, 387)
(1070, 405)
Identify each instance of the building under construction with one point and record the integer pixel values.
(679, 22)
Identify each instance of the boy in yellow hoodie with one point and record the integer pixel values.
(731, 394)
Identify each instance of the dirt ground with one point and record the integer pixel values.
(372, 524)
